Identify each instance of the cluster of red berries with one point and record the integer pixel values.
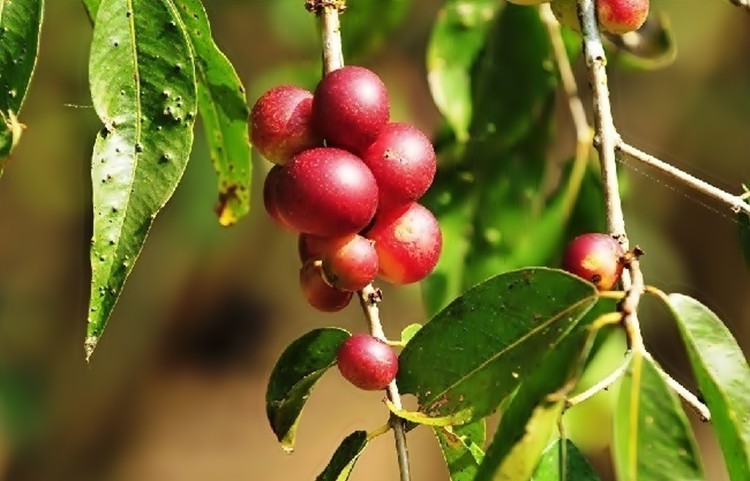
(347, 180)
(614, 16)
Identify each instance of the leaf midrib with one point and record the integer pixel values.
(514, 344)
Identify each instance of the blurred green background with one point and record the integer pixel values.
(176, 390)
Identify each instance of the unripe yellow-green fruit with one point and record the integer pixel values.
(566, 13)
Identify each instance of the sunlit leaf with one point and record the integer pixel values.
(575, 465)
(343, 460)
(20, 25)
(223, 108)
(409, 331)
(143, 86)
(462, 449)
(300, 366)
(722, 372)
(652, 436)
(92, 7)
(490, 339)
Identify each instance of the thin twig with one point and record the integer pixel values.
(602, 385)
(369, 298)
(734, 201)
(691, 399)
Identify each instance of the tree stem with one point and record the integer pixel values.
(369, 297)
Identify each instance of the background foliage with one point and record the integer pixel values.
(178, 388)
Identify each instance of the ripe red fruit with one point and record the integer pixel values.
(367, 362)
(408, 242)
(281, 125)
(350, 108)
(319, 294)
(622, 16)
(315, 247)
(269, 196)
(327, 192)
(403, 162)
(596, 258)
(351, 264)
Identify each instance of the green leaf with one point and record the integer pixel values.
(575, 465)
(360, 35)
(408, 333)
(722, 372)
(457, 38)
(462, 449)
(650, 47)
(143, 86)
(300, 366)
(92, 7)
(485, 342)
(652, 436)
(223, 108)
(20, 25)
(530, 419)
(345, 457)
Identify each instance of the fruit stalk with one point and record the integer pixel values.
(333, 59)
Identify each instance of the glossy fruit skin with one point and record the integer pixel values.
(269, 196)
(403, 162)
(327, 192)
(596, 258)
(408, 242)
(367, 362)
(318, 294)
(281, 123)
(350, 108)
(622, 16)
(315, 247)
(351, 265)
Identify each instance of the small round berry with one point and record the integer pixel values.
(269, 196)
(367, 362)
(327, 192)
(281, 124)
(319, 294)
(408, 242)
(315, 247)
(403, 162)
(622, 16)
(350, 108)
(351, 265)
(596, 258)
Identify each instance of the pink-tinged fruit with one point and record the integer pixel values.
(281, 123)
(622, 16)
(350, 108)
(597, 258)
(327, 192)
(320, 295)
(269, 197)
(367, 362)
(403, 162)
(408, 242)
(315, 247)
(351, 265)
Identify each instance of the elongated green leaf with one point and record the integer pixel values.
(223, 108)
(462, 449)
(143, 86)
(530, 419)
(92, 7)
(458, 36)
(472, 354)
(575, 465)
(346, 456)
(652, 436)
(722, 372)
(20, 25)
(298, 369)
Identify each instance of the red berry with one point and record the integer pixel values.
(596, 258)
(367, 362)
(408, 242)
(350, 108)
(319, 294)
(327, 192)
(315, 247)
(403, 162)
(351, 264)
(281, 123)
(269, 196)
(622, 16)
